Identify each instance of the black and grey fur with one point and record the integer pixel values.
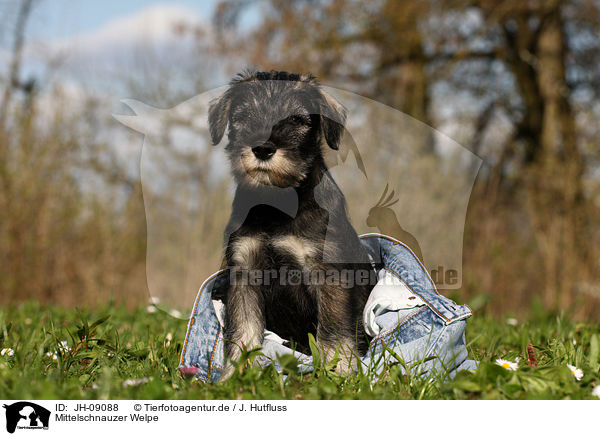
(288, 214)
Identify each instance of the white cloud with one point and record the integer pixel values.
(153, 25)
(126, 48)
(142, 49)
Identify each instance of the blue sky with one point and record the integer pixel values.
(62, 19)
(93, 41)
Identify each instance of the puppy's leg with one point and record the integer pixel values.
(244, 323)
(245, 320)
(336, 328)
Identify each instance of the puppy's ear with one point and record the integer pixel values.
(218, 116)
(333, 118)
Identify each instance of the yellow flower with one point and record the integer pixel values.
(7, 352)
(507, 364)
(576, 372)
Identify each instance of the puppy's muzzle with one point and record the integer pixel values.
(264, 151)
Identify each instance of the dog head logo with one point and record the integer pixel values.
(26, 415)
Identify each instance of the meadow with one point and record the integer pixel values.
(51, 352)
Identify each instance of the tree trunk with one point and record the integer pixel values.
(555, 174)
(402, 81)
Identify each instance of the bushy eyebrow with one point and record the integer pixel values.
(252, 108)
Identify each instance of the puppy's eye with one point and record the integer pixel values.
(297, 119)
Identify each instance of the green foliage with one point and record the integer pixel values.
(119, 354)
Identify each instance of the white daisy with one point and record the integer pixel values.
(54, 356)
(151, 309)
(576, 372)
(8, 352)
(512, 321)
(596, 391)
(135, 382)
(175, 313)
(507, 364)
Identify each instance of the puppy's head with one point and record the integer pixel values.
(277, 123)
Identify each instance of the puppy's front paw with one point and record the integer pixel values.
(346, 366)
(346, 353)
(227, 372)
(232, 366)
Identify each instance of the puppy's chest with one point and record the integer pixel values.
(276, 251)
(292, 250)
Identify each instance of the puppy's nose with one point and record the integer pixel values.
(264, 151)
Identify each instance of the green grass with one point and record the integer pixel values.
(133, 345)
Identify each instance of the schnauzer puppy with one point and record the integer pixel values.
(288, 219)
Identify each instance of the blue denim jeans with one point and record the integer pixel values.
(428, 339)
